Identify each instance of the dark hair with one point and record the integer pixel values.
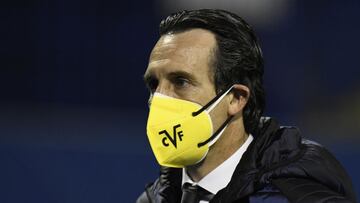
(238, 58)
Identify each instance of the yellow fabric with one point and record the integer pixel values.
(174, 133)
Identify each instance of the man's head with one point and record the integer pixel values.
(203, 52)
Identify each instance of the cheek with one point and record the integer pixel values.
(219, 114)
(198, 94)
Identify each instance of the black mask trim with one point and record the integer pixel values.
(216, 133)
(209, 103)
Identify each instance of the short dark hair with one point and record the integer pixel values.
(238, 57)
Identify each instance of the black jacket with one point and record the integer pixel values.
(278, 166)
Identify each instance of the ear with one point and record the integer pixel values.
(238, 99)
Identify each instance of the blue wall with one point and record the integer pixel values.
(73, 105)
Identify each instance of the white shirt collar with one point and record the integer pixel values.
(221, 175)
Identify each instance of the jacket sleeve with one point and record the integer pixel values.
(166, 189)
(305, 190)
(268, 194)
(143, 198)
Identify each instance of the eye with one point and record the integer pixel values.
(152, 84)
(180, 82)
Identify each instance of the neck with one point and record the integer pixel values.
(230, 141)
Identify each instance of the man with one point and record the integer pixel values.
(205, 126)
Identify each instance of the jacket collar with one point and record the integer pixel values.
(281, 152)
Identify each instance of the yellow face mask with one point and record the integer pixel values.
(180, 132)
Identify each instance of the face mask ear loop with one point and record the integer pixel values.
(219, 99)
(212, 104)
(216, 133)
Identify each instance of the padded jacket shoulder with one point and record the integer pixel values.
(278, 166)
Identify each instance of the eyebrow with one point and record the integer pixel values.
(181, 73)
(148, 76)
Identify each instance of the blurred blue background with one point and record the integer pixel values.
(73, 106)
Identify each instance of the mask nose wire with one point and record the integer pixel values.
(212, 103)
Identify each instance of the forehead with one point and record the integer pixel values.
(191, 50)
